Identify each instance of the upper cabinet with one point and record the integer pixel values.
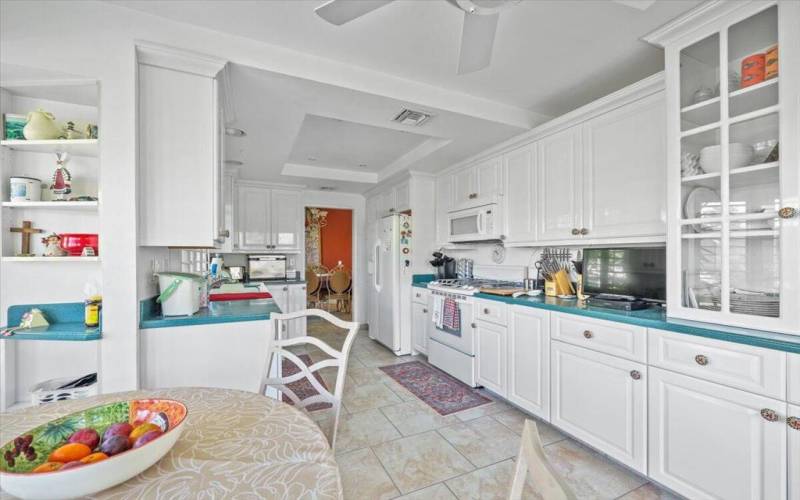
(268, 219)
(179, 163)
(444, 203)
(559, 187)
(733, 126)
(390, 200)
(519, 169)
(478, 184)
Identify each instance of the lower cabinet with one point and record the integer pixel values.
(793, 425)
(708, 441)
(419, 327)
(491, 352)
(290, 298)
(529, 360)
(602, 400)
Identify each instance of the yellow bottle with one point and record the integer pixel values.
(92, 311)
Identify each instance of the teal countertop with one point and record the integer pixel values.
(654, 317)
(217, 312)
(66, 323)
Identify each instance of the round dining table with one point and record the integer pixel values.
(235, 444)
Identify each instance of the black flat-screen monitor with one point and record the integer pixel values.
(639, 272)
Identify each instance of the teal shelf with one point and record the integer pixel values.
(66, 323)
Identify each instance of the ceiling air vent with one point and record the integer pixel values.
(411, 118)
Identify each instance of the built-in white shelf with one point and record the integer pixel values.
(75, 147)
(51, 259)
(749, 233)
(59, 205)
(758, 96)
(702, 112)
(763, 173)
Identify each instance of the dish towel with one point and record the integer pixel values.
(451, 319)
(438, 310)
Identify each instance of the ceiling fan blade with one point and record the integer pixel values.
(477, 40)
(339, 12)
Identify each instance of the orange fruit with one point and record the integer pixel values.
(94, 457)
(140, 430)
(69, 453)
(48, 467)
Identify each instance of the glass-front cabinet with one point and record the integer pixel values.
(733, 93)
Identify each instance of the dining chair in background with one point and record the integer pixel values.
(313, 287)
(532, 460)
(278, 351)
(339, 289)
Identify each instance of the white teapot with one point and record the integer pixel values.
(41, 126)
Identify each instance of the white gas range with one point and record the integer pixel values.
(452, 349)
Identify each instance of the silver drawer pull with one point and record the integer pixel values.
(587, 334)
(635, 374)
(486, 310)
(701, 360)
(473, 325)
(425, 311)
(794, 423)
(770, 415)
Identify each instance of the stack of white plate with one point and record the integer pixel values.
(756, 303)
(739, 155)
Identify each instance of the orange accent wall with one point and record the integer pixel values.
(337, 238)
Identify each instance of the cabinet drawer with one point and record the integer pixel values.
(619, 339)
(419, 295)
(754, 369)
(794, 378)
(491, 311)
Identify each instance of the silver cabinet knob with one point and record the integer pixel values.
(770, 415)
(584, 231)
(587, 334)
(575, 231)
(635, 374)
(794, 423)
(486, 310)
(425, 311)
(286, 288)
(224, 233)
(701, 360)
(473, 325)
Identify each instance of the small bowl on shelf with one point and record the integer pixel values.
(74, 243)
(739, 155)
(762, 150)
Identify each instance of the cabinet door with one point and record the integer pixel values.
(285, 220)
(297, 302)
(529, 360)
(402, 197)
(280, 294)
(491, 356)
(419, 325)
(252, 223)
(624, 175)
(489, 179)
(602, 400)
(386, 203)
(710, 441)
(178, 168)
(559, 186)
(372, 209)
(444, 203)
(520, 193)
(793, 424)
(464, 189)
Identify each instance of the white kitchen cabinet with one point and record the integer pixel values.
(444, 203)
(179, 167)
(793, 361)
(402, 197)
(793, 424)
(253, 221)
(491, 354)
(529, 360)
(280, 294)
(285, 220)
(478, 184)
(464, 186)
(519, 172)
(602, 400)
(372, 209)
(560, 202)
(297, 302)
(624, 171)
(419, 326)
(708, 441)
(385, 202)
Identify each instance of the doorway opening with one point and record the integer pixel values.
(329, 260)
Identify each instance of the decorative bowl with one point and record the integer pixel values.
(74, 243)
(739, 155)
(20, 480)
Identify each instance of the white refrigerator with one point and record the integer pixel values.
(390, 284)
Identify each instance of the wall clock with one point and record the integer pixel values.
(498, 253)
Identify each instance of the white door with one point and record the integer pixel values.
(419, 327)
(489, 179)
(520, 194)
(402, 197)
(464, 189)
(529, 360)
(708, 441)
(559, 188)
(297, 302)
(491, 356)
(793, 423)
(602, 400)
(624, 175)
(252, 223)
(285, 220)
(444, 203)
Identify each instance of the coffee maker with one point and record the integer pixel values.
(445, 266)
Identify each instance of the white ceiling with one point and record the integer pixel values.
(550, 56)
(331, 142)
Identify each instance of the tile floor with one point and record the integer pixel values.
(392, 445)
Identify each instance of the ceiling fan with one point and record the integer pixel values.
(477, 33)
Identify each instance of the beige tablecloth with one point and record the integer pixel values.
(235, 445)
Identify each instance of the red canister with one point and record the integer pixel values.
(753, 69)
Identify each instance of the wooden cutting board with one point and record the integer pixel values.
(501, 291)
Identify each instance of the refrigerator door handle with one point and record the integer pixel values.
(377, 273)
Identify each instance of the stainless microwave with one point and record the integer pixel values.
(266, 267)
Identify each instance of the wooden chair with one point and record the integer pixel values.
(532, 460)
(323, 274)
(313, 287)
(339, 286)
(274, 384)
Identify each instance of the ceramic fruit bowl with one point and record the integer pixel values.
(91, 450)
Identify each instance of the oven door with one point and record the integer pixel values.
(462, 340)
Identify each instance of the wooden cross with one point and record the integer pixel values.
(27, 230)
